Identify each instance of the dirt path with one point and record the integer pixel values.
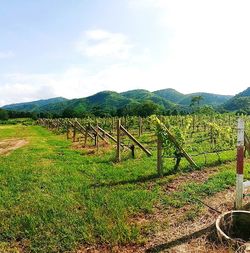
(8, 145)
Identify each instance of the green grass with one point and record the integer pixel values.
(50, 196)
(54, 198)
(190, 192)
(23, 121)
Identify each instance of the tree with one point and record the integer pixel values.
(207, 110)
(3, 114)
(68, 113)
(148, 108)
(130, 109)
(195, 100)
(195, 103)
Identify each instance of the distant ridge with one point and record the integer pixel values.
(110, 102)
(170, 94)
(33, 105)
(240, 101)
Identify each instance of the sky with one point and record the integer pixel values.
(76, 48)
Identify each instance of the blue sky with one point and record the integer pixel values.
(75, 48)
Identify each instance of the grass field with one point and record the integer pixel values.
(55, 199)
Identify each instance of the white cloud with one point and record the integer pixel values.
(6, 55)
(208, 47)
(75, 82)
(25, 87)
(18, 92)
(103, 44)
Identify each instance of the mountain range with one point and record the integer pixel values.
(111, 102)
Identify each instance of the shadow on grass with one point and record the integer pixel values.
(155, 176)
(142, 179)
(181, 240)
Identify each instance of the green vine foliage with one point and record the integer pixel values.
(215, 138)
(160, 129)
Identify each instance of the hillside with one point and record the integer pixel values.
(34, 106)
(241, 101)
(185, 99)
(129, 102)
(208, 98)
(142, 95)
(170, 94)
(105, 102)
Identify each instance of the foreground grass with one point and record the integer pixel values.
(49, 202)
(54, 198)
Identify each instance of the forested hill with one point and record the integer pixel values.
(240, 101)
(34, 106)
(131, 102)
(185, 99)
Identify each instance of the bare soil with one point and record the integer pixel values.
(198, 176)
(9, 145)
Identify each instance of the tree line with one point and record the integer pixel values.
(143, 109)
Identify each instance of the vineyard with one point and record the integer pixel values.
(202, 140)
(116, 185)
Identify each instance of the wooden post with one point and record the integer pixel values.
(97, 137)
(111, 137)
(212, 137)
(57, 125)
(140, 126)
(246, 144)
(85, 136)
(118, 143)
(113, 125)
(159, 156)
(179, 147)
(240, 164)
(134, 140)
(193, 121)
(68, 130)
(74, 132)
(82, 129)
(97, 132)
(132, 147)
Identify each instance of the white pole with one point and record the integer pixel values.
(240, 164)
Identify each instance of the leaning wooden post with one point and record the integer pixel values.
(193, 121)
(179, 147)
(86, 135)
(240, 164)
(159, 155)
(118, 143)
(97, 137)
(68, 130)
(140, 126)
(113, 125)
(74, 132)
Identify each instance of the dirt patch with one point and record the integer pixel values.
(198, 176)
(90, 149)
(7, 146)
